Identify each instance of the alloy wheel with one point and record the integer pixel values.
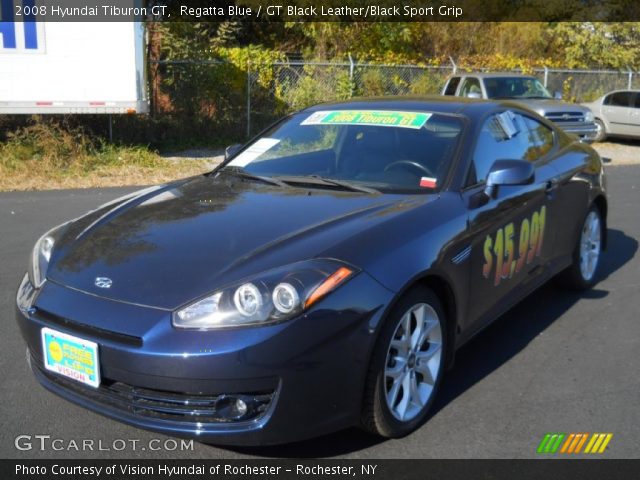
(590, 245)
(413, 362)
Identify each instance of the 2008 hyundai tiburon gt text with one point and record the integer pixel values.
(322, 276)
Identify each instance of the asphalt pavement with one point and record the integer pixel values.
(558, 362)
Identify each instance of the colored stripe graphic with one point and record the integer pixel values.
(591, 442)
(557, 443)
(572, 443)
(551, 442)
(605, 442)
(567, 442)
(543, 443)
(598, 442)
(577, 441)
(581, 442)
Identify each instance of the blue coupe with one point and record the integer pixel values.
(323, 276)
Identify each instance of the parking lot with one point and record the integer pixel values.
(558, 362)
(620, 151)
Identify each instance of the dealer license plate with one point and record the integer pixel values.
(71, 356)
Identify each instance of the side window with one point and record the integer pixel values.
(637, 102)
(540, 137)
(503, 136)
(452, 86)
(620, 99)
(607, 99)
(470, 85)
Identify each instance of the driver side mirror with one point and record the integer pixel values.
(231, 150)
(508, 172)
(557, 95)
(474, 95)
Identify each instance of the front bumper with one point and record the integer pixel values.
(306, 375)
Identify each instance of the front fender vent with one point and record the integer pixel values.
(461, 256)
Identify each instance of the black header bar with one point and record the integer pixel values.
(320, 10)
(289, 469)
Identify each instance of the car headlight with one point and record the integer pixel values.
(588, 116)
(41, 255)
(270, 297)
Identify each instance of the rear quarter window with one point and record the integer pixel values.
(451, 87)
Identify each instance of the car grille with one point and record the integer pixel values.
(193, 409)
(83, 329)
(565, 117)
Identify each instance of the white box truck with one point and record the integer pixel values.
(72, 67)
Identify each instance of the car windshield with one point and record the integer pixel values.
(515, 87)
(360, 150)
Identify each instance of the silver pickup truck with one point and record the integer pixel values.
(528, 91)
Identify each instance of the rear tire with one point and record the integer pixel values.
(406, 366)
(582, 273)
(601, 134)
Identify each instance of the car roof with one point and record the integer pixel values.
(435, 103)
(492, 75)
(500, 74)
(601, 97)
(632, 90)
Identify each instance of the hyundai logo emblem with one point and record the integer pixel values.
(103, 282)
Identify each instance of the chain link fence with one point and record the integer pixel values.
(198, 99)
(585, 85)
(239, 102)
(295, 85)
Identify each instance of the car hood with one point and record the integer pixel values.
(545, 106)
(168, 246)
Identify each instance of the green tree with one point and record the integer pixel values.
(228, 33)
(598, 45)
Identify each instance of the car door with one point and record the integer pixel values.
(510, 239)
(617, 111)
(570, 192)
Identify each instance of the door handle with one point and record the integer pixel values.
(550, 186)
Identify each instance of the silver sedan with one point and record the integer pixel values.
(617, 114)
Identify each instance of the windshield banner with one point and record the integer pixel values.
(368, 117)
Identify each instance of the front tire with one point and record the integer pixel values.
(582, 273)
(406, 366)
(601, 133)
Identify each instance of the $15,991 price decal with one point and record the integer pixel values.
(500, 255)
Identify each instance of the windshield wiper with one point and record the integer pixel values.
(323, 181)
(349, 185)
(240, 172)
